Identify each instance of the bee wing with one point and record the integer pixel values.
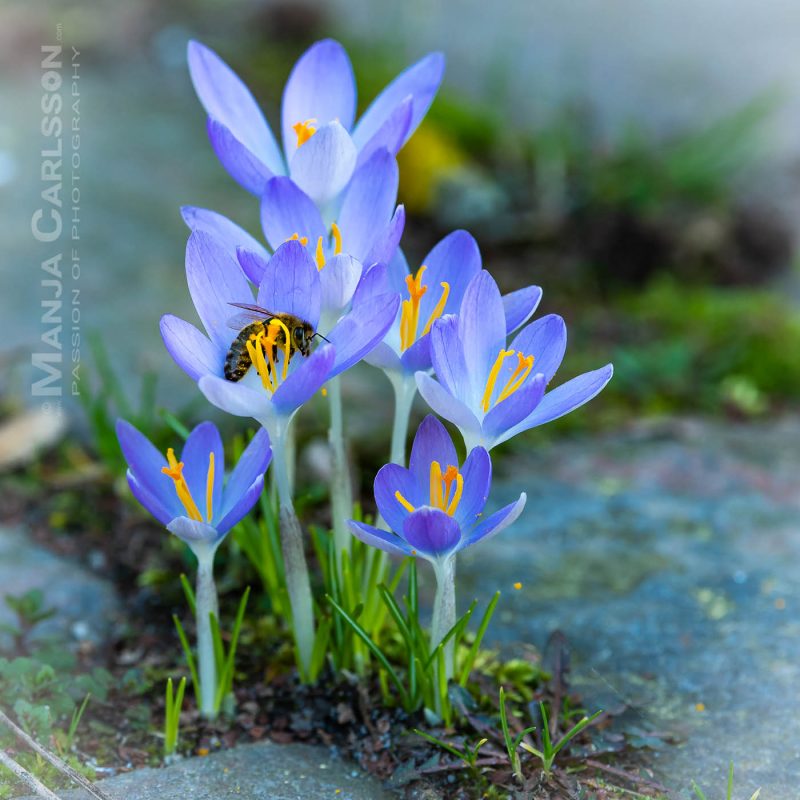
(250, 313)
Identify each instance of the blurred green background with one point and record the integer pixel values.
(638, 161)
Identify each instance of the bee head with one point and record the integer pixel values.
(302, 335)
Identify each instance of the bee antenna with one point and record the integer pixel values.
(316, 333)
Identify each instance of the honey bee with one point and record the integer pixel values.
(251, 324)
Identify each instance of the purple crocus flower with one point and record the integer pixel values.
(290, 285)
(434, 509)
(191, 497)
(189, 494)
(321, 145)
(492, 392)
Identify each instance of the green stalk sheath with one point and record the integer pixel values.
(444, 609)
(405, 389)
(341, 490)
(206, 604)
(298, 583)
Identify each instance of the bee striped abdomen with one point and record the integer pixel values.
(237, 361)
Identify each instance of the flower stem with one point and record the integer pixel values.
(341, 490)
(405, 389)
(206, 603)
(298, 583)
(444, 608)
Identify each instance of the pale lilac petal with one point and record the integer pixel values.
(225, 98)
(152, 503)
(431, 443)
(375, 537)
(392, 478)
(385, 246)
(374, 281)
(369, 203)
(236, 398)
(193, 532)
(398, 272)
(242, 506)
(477, 474)
(193, 352)
(449, 360)
(519, 306)
(420, 80)
(513, 409)
(304, 381)
(456, 260)
(244, 167)
(545, 340)
(497, 522)
(287, 210)
(215, 281)
(383, 357)
(323, 166)
(339, 278)
(359, 332)
(322, 87)
(564, 399)
(145, 463)
(203, 440)
(252, 464)
(431, 532)
(253, 264)
(227, 231)
(447, 406)
(481, 329)
(418, 356)
(291, 284)
(392, 134)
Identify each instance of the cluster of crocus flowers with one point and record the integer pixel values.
(191, 497)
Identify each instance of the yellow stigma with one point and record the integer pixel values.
(517, 378)
(337, 239)
(320, 255)
(175, 471)
(409, 315)
(304, 130)
(296, 237)
(445, 489)
(210, 488)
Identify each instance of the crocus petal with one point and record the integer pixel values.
(420, 80)
(243, 166)
(447, 406)
(431, 532)
(252, 464)
(193, 532)
(383, 357)
(563, 399)
(287, 210)
(302, 383)
(511, 411)
(202, 441)
(398, 272)
(339, 279)
(323, 166)
(291, 284)
(215, 281)
(145, 463)
(253, 264)
(193, 352)
(361, 330)
(481, 329)
(368, 203)
(449, 360)
(235, 398)
(520, 305)
(321, 87)
(456, 259)
(497, 522)
(383, 540)
(374, 281)
(392, 478)
(152, 503)
(225, 98)
(431, 443)
(242, 505)
(228, 232)
(418, 356)
(392, 134)
(477, 474)
(545, 340)
(385, 245)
